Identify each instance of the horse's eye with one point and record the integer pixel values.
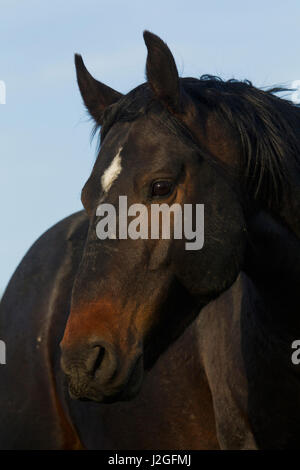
(161, 188)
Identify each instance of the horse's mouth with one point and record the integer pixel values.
(87, 389)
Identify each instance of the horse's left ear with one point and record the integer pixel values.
(161, 71)
(96, 95)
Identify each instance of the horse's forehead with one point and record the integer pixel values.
(134, 145)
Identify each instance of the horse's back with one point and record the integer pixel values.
(33, 312)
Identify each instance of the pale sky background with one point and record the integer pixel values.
(45, 151)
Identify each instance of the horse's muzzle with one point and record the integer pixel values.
(96, 372)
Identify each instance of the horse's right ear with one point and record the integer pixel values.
(162, 73)
(96, 95)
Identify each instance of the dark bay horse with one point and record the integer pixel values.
(115, 324)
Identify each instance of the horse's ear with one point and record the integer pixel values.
(161, 71)
(96, 95)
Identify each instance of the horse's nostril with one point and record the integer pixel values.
(93, 362)
(99, 358)
(95, 359)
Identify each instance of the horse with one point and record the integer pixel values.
(140, 343)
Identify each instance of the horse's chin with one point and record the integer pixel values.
(124, 392)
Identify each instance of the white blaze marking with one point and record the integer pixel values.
(112, 172)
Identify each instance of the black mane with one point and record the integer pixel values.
(267, 126)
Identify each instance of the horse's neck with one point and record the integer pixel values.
(270, 322)
(273, 264)
(290, 211)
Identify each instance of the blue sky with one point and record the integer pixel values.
(45, 150)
